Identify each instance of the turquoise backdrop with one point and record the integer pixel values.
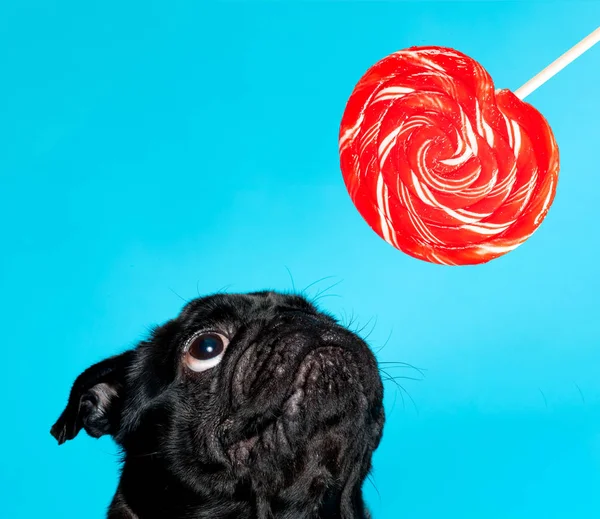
(151, 151)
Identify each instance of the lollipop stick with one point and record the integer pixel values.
(559, 64)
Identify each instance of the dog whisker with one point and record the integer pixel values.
(186, 301)
(394, 402)
(303, 291)
(580, 393)
(348, 324)
(543, 396)
(146, 454)
(372, 481)
(321, 294)
(402, 365)
(360, 330)
(319, 298)
(291, 279)
(385, 343)
(404, 378)
(388, 378)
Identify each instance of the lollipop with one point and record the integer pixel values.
(440, 164)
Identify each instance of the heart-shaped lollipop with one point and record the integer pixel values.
(441, 165)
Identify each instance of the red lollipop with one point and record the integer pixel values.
(441, 165)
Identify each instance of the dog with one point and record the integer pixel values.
(246, 406)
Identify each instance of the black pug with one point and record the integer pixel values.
(244, 406)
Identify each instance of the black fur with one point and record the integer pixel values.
(283, 427)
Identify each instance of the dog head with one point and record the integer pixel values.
(248, 405)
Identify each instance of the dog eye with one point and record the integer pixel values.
(205, 351)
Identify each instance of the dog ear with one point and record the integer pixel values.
(95, 400)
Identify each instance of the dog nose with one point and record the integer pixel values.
(305, 372)
(298, 350)
(329, 366)
(327, 374)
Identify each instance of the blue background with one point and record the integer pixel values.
(154, 150)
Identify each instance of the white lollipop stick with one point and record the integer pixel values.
(556, 66)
